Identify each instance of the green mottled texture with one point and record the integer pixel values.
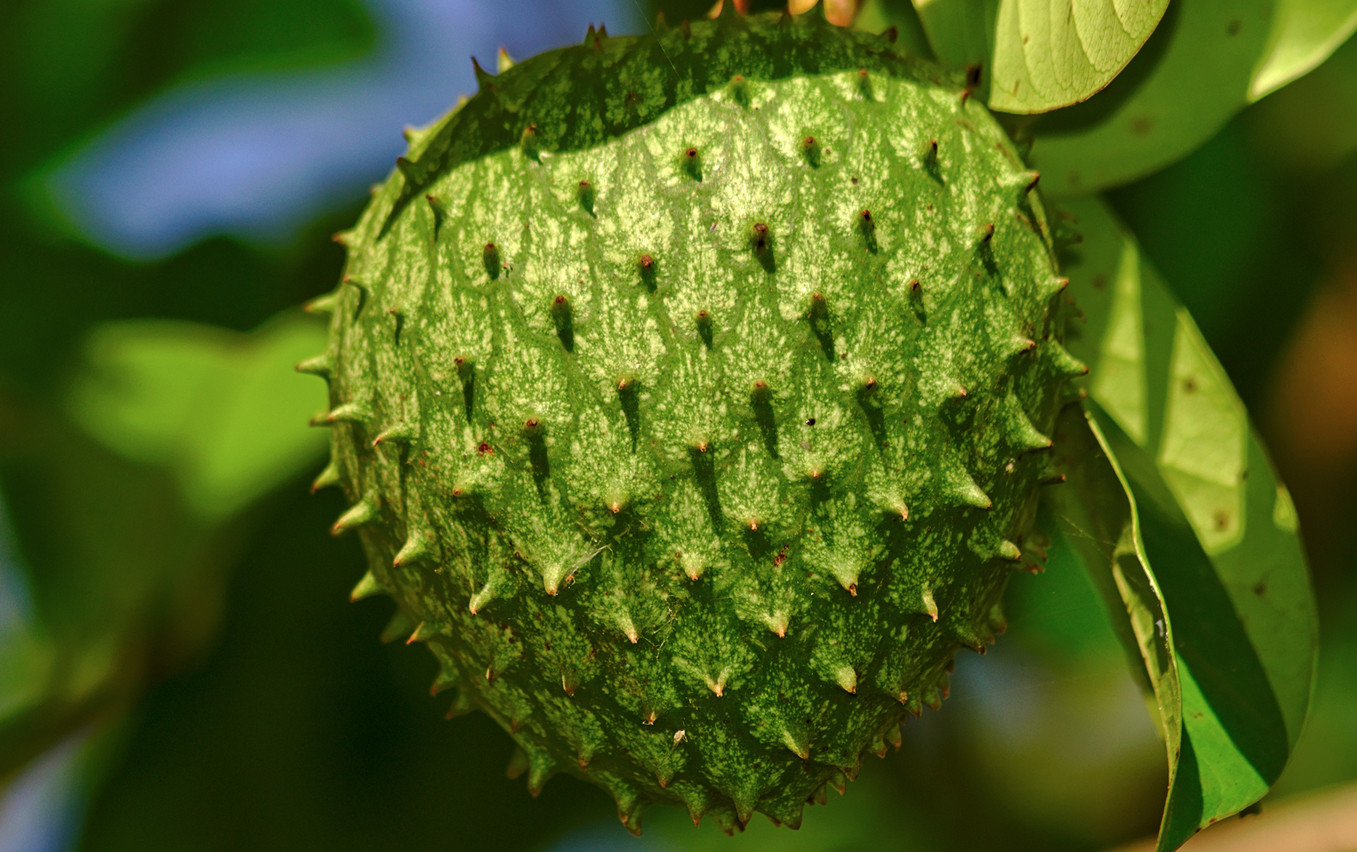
(694, 477)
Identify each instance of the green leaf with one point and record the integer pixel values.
(1192, 76)
(1040, 55)
(1049, 55)
(128, 510)
(1098, 520)
(1202, 513)
(1305, 33)
(224, 411)
(1203, 63)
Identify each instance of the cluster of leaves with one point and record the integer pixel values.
(137, 456)
(1174, 508)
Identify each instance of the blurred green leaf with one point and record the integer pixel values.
(878, 15)
(1039, 55)
(1305, 33)
(128, 516)
(1182, 506)
(961, 32)
(224, 411)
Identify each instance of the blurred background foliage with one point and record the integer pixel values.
(179, 668)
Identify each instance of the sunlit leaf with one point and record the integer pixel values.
(1049, 55)
(1202, 517)
(1039, 55)
(224, 411)
(1191, 77)
(1305, 33)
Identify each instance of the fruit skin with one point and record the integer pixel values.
(690, 394)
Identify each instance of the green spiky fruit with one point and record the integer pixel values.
(690, 392)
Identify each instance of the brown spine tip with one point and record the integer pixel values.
(865, 83)
(819, 307)
(484, 79)
(987, 234)
(929, 154)
(530, 143)
(562, 316)
(646, 267)
(490, 258)
(867, 227)
(704, 327)
(692, 163)
(586, 195)
(760, 394)
(739, 90)
(810, 148)
(761, 237)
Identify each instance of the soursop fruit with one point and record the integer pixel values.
(691, 392)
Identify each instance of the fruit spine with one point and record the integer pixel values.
(690, 392)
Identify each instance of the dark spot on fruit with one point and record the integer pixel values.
(810, 421)
(484, 448)
(1233, 27)
(1190, 385)
(1141, 125)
